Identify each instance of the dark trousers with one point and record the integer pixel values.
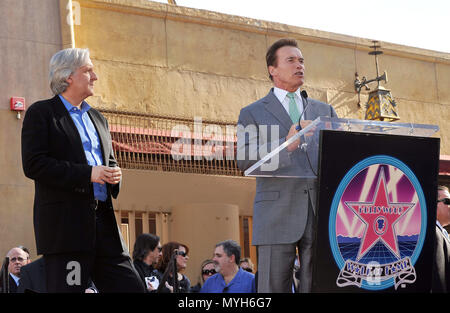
(108, 267)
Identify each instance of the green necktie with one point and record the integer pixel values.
(293, 109)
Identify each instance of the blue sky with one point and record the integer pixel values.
(421, 24)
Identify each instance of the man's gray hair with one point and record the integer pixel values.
(231, 247)
(63, 64)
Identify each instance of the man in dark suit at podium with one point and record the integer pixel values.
(67, 151)
(441, 269)
(283, 216)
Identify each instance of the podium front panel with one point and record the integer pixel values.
(376, 212)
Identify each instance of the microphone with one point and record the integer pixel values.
(304, 145)
(305, 96)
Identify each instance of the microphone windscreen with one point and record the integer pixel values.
(304, 94)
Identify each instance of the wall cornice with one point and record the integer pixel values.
(273, 29)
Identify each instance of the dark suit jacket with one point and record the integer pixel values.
(441, 268)
(12, 285)
(34, 279)
(64, 204)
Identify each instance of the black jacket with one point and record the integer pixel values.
(33, 278)
(64, 204)
(144, 270)
(184, 285)
(441, 266)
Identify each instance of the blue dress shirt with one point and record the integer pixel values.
(243, 282)
(90, 140)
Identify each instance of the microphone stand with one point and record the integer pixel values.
(304, 95)
(175, 284)
(5, 276)
(171, 269)
(303, 146)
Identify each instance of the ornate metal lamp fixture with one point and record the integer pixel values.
(381, 105)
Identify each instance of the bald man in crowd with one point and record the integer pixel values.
(17, 258)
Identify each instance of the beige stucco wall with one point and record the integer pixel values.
(162, 59)
(189, 62)
(30, 33)
(155, 191)
(201, 226)
(202, 209)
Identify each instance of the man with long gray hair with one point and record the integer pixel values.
(67, 151)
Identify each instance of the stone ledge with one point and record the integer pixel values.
(221, 20)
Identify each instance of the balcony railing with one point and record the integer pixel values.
(152, 142)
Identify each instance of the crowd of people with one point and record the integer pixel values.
(159, 267)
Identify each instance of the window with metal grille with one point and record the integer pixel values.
(152, 142)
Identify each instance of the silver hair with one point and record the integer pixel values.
(63, 64)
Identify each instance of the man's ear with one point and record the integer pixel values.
(272, 70)
(69, 79)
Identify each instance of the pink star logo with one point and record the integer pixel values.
(379, 217)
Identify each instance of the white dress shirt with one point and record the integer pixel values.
(282, 97)
(444, 231)
(16, 279)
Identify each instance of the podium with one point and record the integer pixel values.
(376, 201)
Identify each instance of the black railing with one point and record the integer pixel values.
(155, 142)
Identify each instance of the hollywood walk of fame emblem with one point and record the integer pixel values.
(377, 224)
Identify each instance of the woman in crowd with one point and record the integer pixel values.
(173, 253)
(207, 269)
(246, 264)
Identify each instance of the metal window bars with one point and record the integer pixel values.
(162, 143)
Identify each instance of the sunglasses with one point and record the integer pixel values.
(209, 272)
(445, 200)
(248, 269)
(182, 253)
